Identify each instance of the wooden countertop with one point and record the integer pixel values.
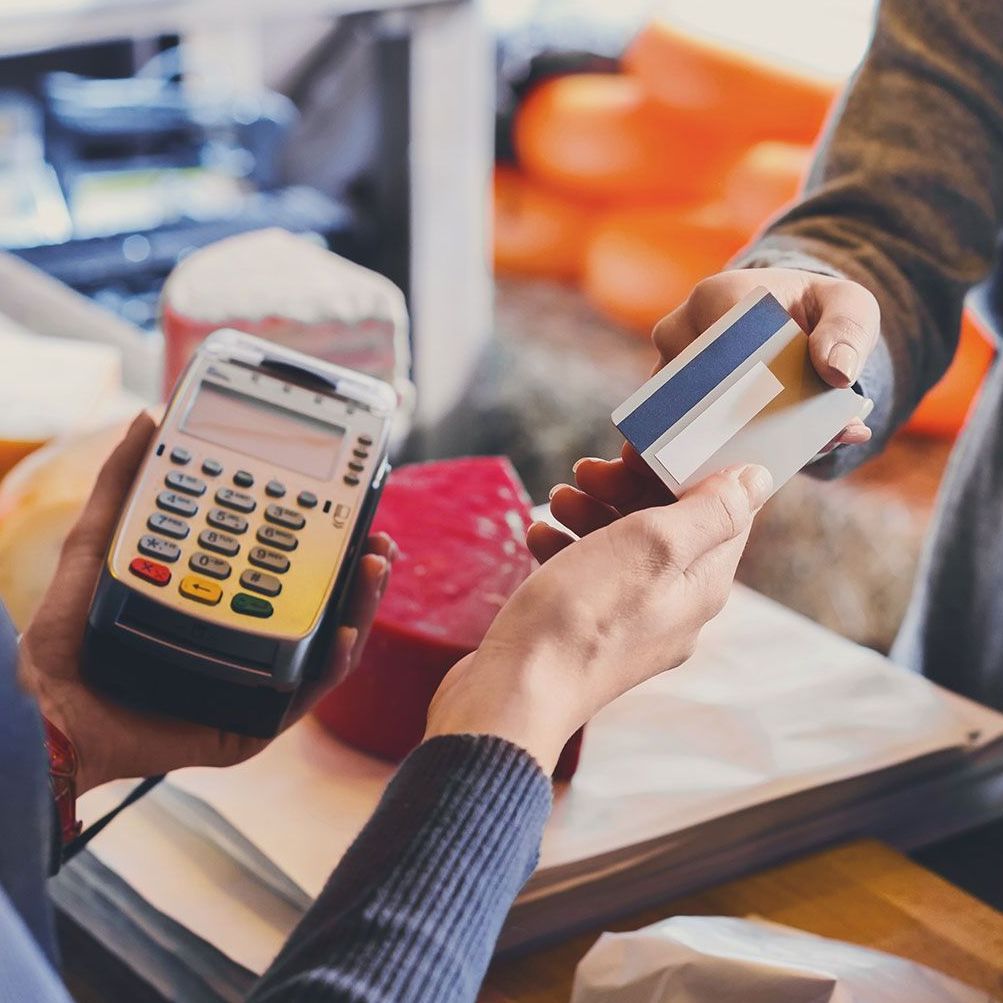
(864, 892)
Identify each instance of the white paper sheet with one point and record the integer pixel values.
(771, 704)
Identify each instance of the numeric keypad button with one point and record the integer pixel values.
(150, 571)
(274, 537)
(287, 517)
(193, 587)
(180, 455)
(212, 468)
(235, 499)
(262, 557)
(275, 489)
(258, 581)
(185, 482)
(171, 501)
(214, 567)
(221, 519)
(250, 605)
(168, 525)
(155, 546)
(306, 499)
(221, 543)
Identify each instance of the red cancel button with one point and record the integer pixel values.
(150, 571)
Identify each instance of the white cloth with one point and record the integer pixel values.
(718, 959)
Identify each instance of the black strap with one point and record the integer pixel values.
(144, 787)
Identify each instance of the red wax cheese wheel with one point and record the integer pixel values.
(942, 412)
(599, 136)
(748, 98)
(643, 263)
(460, 526)
(537, 232)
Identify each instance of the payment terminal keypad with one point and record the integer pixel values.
(218, 537)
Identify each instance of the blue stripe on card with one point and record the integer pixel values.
(683, 391)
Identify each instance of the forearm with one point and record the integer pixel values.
(414, 909)
(906, 195)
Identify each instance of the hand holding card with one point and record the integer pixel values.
(744, 391)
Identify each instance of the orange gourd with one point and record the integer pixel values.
(746, 97)
(764, 180)
(536, 231)
(942, 412)
(642, 263)
(601, 137)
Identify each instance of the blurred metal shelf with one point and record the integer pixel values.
(36, 25)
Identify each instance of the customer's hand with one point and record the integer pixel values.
(111, 740)
(842, 320)
(602, 614)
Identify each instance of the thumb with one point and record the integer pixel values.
(93, 530)
(845, 332)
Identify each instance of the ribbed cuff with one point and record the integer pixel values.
(777, 250)
(415, 907)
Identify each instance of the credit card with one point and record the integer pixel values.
(745, 391)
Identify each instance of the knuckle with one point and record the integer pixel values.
(852, 328)
(731, 507)
(657, 548)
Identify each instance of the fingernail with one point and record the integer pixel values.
(384, 580)
(844, 360)
(758, 483)
(584, 459)
(556, 488)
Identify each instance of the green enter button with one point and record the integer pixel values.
(250, 605)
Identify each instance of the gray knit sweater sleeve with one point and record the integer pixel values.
(906, 195)
(412, 912)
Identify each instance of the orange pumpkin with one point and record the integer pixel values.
(642, 263)
(536, 231)
(766, 179)
(943, 410)
(746, 97)
(600, 137)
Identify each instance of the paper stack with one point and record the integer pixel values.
(776, 738)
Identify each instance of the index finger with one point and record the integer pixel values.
(627, 484)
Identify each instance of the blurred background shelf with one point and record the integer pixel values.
(37, 25)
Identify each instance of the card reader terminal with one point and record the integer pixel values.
(224, 582)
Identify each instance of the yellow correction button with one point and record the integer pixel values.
(201, 590)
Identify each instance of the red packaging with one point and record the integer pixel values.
(460, 526)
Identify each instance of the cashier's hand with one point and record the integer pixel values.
(114, 742)
(602, 614)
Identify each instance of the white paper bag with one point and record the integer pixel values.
(718, 959)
